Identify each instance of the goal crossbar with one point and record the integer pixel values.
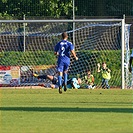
(66, 20)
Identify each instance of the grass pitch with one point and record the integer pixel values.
(74, 111)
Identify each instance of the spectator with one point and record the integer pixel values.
(89, 80)
(105, 75)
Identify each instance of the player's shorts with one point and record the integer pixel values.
(62, 66)
(55, 80)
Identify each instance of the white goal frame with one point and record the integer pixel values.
(83, 20)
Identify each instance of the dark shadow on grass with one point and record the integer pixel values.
(67, 109)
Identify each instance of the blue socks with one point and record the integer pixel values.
(60, 80)
(65, 78)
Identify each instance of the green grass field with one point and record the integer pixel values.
(74, 111)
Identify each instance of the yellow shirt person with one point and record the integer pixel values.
(105, 75)
(89, 79)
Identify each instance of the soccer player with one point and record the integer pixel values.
(131, 62)
(105, 75)
(62, 50)
(71, 83)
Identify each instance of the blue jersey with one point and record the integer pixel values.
(63, 48)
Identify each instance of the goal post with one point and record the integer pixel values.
(30, 44)
(122, 52)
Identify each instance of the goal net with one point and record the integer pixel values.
(29, 45)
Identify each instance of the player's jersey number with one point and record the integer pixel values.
(62, 51)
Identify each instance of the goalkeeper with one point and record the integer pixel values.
(72, 83)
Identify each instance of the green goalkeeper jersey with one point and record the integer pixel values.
(106, 73)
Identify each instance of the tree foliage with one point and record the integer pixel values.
(57, 8)
(53, 8)
(104, 7)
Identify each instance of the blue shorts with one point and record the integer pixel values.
(62, 66)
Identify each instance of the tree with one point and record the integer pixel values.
(58, 8)
(53, 8)
(104, 7)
